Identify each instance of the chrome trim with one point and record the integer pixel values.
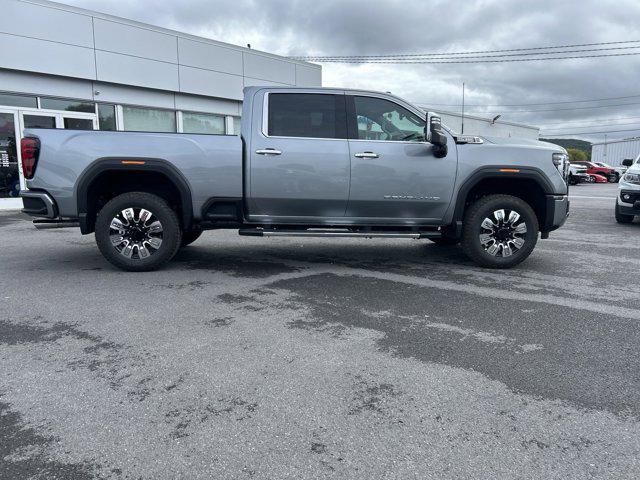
(269, 151)
(45, 197)
(266, 233)
(366, 155)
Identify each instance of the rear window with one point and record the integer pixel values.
(307, 115)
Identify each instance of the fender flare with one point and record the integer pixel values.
(156, 165)
(499, 172)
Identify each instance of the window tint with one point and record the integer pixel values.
(380, 119)
(18, 100)
(202, 123)
(69, 105)
(307, 115)
(148, 120)
(107, 116)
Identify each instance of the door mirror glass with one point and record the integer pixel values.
(627, 162)
(437, 136)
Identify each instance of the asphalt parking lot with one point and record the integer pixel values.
(290, 358)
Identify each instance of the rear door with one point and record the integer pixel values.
(394, 174)
(299, 159)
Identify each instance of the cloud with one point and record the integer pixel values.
(361, 27)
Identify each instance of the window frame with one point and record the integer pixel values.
(352, 119)
(265, 114)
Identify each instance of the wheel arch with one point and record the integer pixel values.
(132, 172)
(528, 183)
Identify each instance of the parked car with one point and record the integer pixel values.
(595, 178)
(621, 170)
(578, 175)
(628, 200)
(592, 169)
(304, 165)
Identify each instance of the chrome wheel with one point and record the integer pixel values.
(136, 233)
(502, 233)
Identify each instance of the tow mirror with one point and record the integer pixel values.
(627, 162)
(437, 137)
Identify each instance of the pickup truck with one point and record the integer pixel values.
(628, 200)
(309, 162)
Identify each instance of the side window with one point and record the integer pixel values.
(307, 115)
(380, 119)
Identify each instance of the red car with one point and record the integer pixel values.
(595, 178)
(592, 169)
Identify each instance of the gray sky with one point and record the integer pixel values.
(375, 27)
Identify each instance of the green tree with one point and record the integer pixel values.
(576, 155)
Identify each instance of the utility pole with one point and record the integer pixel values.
(462, 108)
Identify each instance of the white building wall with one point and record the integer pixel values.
(474, 125)
(616, 151)
(52, 39)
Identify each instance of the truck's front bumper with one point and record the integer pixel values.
(629, 201)
(557, 212)
(38, 204)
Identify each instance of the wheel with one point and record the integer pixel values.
(621, 217)
(137, 231)
(445, 241)
(499, 231)
(189, 237)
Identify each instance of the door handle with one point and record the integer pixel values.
(366, 155)
(268, 151)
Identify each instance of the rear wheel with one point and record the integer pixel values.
(499, 231)
(622, 218)
(137, 231)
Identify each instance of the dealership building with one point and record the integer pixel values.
(71, 68)
(614, 152)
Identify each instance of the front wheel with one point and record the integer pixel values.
(137, 231)
(499, 231)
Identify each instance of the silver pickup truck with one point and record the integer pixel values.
(309, 162)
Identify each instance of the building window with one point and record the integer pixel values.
(148, 119)
(107, 116)
(18, 100)
(202, 123)
(236, 125)
(307, 115)
(68, 105)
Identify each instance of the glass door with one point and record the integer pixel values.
(9, 155)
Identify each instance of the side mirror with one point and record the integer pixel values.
(627, 162)
(437, 138)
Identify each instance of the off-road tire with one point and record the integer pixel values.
(472, 228)
(189, 237)
(621, 217)
(171, 233)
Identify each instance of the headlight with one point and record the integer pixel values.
(561, 161)
(632, 178)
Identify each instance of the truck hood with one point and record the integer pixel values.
(525, 142)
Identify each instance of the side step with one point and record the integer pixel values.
(48, 224)
(335, 232)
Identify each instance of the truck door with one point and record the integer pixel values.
(394, 174)
(299, 158)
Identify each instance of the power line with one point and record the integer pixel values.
(590, 133)
(509, 60)
(465, 53)
(599, 125)
(531, 104)
(591, 121)
(510, 112)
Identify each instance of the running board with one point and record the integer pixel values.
(49, 224)
(259, 232)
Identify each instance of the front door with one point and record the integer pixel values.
(299, 159)
(394, 174)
